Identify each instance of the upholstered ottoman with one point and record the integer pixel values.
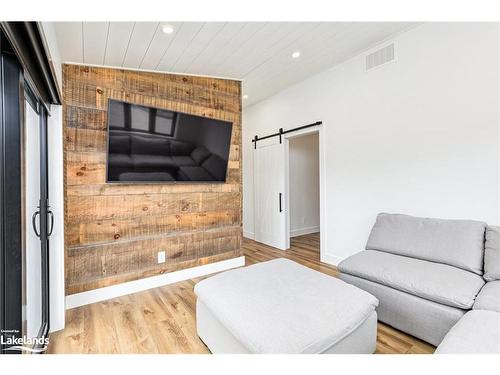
(283, 307)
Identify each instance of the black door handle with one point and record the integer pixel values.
(281, 208)
(51, 222)
(33, 222)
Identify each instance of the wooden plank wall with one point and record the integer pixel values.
(114, 231)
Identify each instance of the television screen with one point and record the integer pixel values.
(148, 144)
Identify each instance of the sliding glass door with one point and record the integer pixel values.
(26, 221)
(27, 89)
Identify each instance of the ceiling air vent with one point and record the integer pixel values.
(379, 57)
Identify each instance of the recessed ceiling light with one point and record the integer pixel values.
(167, 29)
(245, 96)
(296, 54)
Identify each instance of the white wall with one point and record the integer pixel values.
(304, 184)
(418, 136)
(50, 40)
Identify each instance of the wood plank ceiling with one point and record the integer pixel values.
(259, 53)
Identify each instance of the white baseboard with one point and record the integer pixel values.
(247, 234)
(334, 260)
(101, 294)
(303, 231)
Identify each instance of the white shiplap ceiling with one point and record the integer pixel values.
(259, 53)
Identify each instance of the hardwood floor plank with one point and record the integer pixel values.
(70, 339)
(103, 338)
(389, 341)
(133, 334)
(163, 320)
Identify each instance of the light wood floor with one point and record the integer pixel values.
(162, 320)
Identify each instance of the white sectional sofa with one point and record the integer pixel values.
(489, 296)
(428, 273)
(479, 330)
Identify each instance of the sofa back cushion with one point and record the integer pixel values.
(119, 144)
(179, 148)
(150, 146)
(459, 243)
(492, 254)
(216, 167)
(200, 154)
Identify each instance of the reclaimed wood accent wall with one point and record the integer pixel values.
(114, 231)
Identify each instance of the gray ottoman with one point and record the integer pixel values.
(283, 307)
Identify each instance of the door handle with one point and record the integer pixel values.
(51, 214)
(279, 197)
(33, 221)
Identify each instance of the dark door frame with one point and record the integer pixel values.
(11, 83)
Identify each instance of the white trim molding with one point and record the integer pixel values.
(334, 260)
(303, 231)
(101, 294)
(248, 234)
(56, 192)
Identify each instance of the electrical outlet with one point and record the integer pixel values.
(161, 257)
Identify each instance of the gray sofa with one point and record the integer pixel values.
(479, 330)
(489, 297)
(427, 273)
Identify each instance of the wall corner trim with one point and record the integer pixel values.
(248, 234)
(101, 294)
(334, 260)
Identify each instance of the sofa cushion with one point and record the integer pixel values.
(145, 176)
(120, 160)
(150, 145)
(182, 161)
(427, 320)
(180, 148)
(200, 154)
(194, 174)
(433, 281)
(216, 167)
(153, 161)
(459, 243)
(119, 144)
(492, 254)
(478, 332)
(489, 297)
(280, 306)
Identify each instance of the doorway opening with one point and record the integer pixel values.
(304, 193)
(288, 190)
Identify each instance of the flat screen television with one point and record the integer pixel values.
(147, 144)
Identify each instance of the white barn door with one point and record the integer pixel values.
(269, 188)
